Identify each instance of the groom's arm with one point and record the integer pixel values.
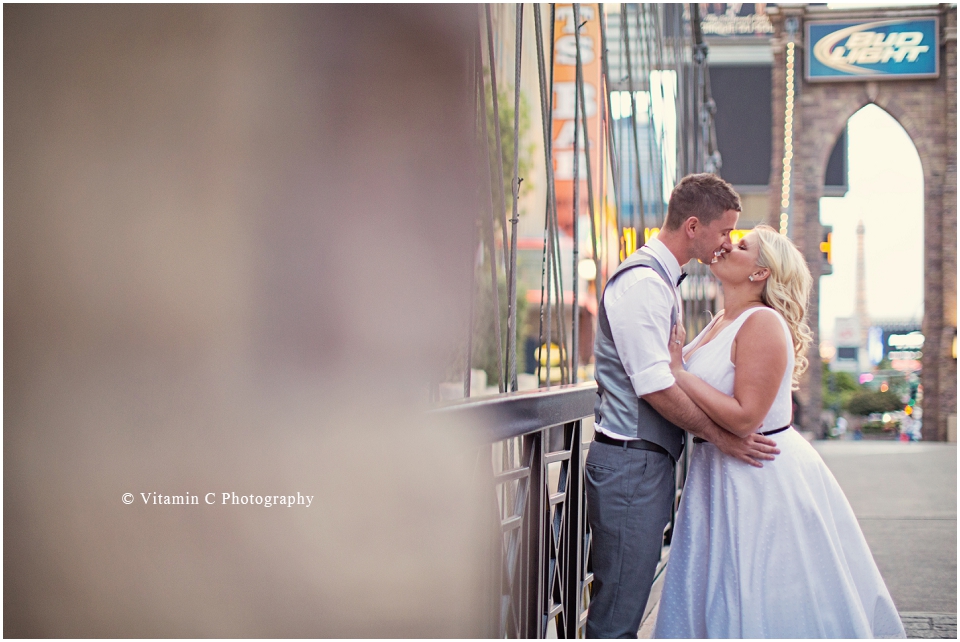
(675, 406)
(639, 307)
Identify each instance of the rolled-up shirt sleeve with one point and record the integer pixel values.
(639, 309)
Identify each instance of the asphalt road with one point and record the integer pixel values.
(905, 498)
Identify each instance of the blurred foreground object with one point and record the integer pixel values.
(223, 225)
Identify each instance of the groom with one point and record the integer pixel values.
(641, 413)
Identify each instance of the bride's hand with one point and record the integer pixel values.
(677, 337)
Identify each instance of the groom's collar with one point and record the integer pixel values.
(665, 257)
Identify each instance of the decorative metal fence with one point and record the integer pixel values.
(538, 443)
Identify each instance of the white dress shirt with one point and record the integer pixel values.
(639, 306)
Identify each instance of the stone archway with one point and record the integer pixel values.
(926, 109)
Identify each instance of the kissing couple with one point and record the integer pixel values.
(758, 551)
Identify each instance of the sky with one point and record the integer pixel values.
(886, 192)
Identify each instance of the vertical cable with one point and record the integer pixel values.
(602, 197)
(683, 94)
(512, 276)
(710, 154)
(681, 162)
(552, 215)
(577, 133)
(548, 166)
(478, 95)
(551, 187)
(602, 178)
(491, 235)
(633, 114)
(561, 305)
(698, 111)
(692, 102)
(714, 161)
(557, 261)
(702, 111)
(643, 56)
(611, 143)
(661, 166)
(586, 153)
(655, 61)
(473, 293)
(496, 130)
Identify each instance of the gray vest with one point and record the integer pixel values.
(617, 403)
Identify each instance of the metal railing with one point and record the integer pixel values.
(538, 443)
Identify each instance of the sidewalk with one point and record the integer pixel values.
(905, 498)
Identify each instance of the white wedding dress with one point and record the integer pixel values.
(772, 552)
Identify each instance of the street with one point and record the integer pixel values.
(905, 498)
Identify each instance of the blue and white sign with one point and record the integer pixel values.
(876, 50)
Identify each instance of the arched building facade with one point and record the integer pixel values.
(927, 110)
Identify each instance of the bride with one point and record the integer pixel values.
(777, 551)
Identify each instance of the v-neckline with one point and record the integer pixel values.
(721, 331)
(701, 345)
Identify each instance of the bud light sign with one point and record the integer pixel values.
(878, 50)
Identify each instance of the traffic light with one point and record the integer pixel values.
(826, 247)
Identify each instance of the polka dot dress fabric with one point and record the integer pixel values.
(772, 552)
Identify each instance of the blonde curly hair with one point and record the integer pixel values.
(787, 290)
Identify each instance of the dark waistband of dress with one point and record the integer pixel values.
(699, 440)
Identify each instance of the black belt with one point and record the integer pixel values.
(639, 444)
(699, 440)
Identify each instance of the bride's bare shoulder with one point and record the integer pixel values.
(760, 346)
(763, 328)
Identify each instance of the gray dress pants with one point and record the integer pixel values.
(629, 496)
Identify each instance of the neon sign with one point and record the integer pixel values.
(877, 50)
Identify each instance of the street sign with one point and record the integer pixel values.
(893, 49)
(739, 20)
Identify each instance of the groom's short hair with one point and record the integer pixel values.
(705, 196)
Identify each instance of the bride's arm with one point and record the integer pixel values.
(760, 358)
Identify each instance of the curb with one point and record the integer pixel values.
(930, 626)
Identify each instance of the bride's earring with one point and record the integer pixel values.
(750, 277)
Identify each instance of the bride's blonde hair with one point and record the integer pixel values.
(787, 290)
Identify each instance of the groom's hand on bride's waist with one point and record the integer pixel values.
(752, 449)
(676, 407)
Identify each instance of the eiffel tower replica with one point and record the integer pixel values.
(863, 319)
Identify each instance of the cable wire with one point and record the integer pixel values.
(512, 276)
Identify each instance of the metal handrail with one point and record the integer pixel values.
(516, 414)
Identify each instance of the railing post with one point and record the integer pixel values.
(574, 533)
(532, 607)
